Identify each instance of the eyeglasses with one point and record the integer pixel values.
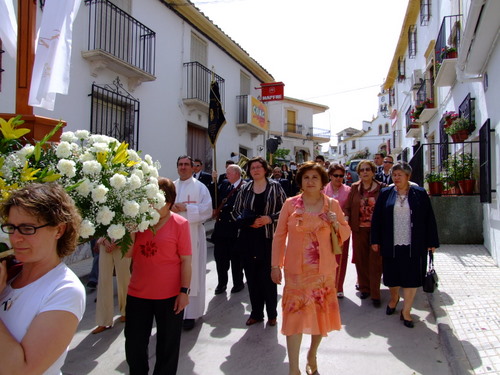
(365, 169)
(196, 165)
(337, 175)
(388, 162)
(27, 230)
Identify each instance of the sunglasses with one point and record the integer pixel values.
(365, 169)
(337, 175)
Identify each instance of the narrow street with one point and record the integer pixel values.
(369, 343)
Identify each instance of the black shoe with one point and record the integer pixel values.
(188, 324)
(376, 303)
(92, 284)
(220, 289)
(364, 295)
(391, 310)
(407, 323)
(237, 288)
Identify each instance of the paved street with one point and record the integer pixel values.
(463, 340)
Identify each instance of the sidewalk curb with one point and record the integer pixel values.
(451, 346)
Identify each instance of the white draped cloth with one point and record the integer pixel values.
(199, 208)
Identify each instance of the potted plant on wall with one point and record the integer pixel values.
(448, 52)
(459, 173)
(449, 117)
(429, 103)
(465, 166)
(459, 129)
(435, 181)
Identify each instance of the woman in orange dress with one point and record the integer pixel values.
(309, 301)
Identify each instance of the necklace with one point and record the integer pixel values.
(8, 303)
(402, 199)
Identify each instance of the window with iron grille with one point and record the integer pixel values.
(412, 41)
(386, 128)
(115, 114)
(392, 96)
(425, 12)
(401, 69)
(467, 110)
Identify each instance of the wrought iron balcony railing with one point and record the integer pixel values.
(448, 39)
(114, 31)
(294, 128)
(320, 133)
(197, 84)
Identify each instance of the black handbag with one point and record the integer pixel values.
(431, 278)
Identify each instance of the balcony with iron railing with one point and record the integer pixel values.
(424, 101)
(446, 50)
(320, 135)
(412, 126)
(197, 79)
(251, 116)
(294, 129)
(119, 42)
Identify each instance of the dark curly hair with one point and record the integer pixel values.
(50, 203)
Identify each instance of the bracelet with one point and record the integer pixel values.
(275, 267)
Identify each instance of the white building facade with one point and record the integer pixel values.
(448, 60)
(141, 72)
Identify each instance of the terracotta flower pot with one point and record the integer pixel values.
(435, 188)
(451, 55)
(463, 135)
(467, 186)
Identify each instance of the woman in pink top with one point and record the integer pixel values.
(302, 246)
(338, 190)
(158, 289)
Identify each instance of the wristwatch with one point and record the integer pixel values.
(185, 290)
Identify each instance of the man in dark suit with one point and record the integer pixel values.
(385, 176)
(285, 184)
(226, 231)
(222, 177)
(204, 177)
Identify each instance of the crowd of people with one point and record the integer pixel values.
(285, 224)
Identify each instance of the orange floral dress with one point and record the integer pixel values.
(309, 301)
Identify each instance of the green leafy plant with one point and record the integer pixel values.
(434, 177)
(460, 167)
(457, 125)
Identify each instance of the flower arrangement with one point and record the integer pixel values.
(457, 125)
(115, 190)
(428, 103)
(447, 51)
(450, 115)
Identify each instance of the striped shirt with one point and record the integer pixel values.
(275, 197)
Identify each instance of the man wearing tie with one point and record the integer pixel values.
(385, 176)
(204, 177)
(226, 231)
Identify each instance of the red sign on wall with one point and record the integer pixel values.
(272, 91)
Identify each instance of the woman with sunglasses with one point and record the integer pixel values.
(359, 210)
(338, 190)
(40, 307)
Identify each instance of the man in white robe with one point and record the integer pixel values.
(193, 202)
